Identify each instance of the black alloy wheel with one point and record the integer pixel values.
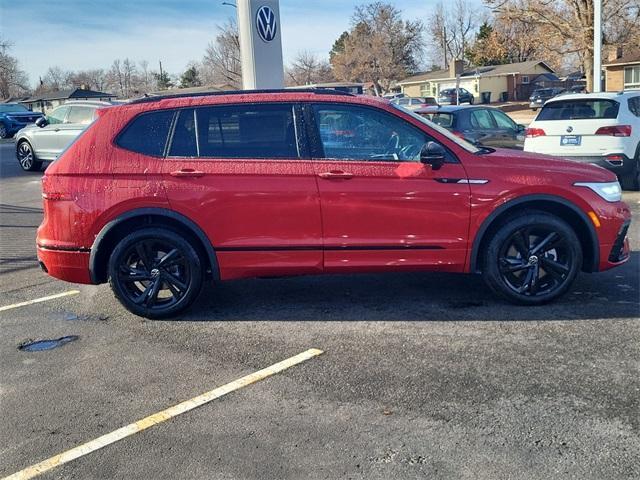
(533, 259)
(155, 273)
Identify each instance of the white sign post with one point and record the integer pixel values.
(260, 44)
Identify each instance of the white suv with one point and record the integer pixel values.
(600, 128)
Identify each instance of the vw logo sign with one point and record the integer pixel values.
(569, 129)
(266, 23)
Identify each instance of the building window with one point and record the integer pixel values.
(632, 77)
(425, 90)
(525, 79)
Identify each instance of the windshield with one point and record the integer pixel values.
(13, 107)
(581, 109)
(443, 131)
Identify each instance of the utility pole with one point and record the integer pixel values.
(597, 45)
(444, 46)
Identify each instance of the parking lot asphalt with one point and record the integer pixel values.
(422, 375)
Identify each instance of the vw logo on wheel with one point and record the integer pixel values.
(266, 23)
(569, 129)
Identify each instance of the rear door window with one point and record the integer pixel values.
(184, 140)
(481, 119)
(81, 115)
(582, 109)
(147, 133)
(247, 131)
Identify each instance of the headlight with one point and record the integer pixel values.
(610, 191)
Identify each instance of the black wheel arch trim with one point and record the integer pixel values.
(155, 211)
(477, 241)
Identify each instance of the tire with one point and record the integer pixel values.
(155, 273)
(26, 158)
(471, 101)
(3, 131)
(532, 259)
(632, 181)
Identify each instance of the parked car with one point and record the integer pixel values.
(577, 89)
(414, 103)
(161, 193)
(393, 95)
(541, 95)
(51, 134)
(13, 117)
(449, 96)
(480, 125)
(600, 128)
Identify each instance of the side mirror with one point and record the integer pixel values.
(41, 122)
(433, 154)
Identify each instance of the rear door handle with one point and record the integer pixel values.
(336, 175)
(187, 172)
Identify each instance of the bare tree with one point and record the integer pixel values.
(380, 46)
(567, 25)
(306, 68)
(221, 62)
(453, 29)
(13, 80)
(56, 79)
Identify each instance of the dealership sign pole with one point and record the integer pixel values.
(597, 45)
(260, 44)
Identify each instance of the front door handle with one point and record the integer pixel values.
(187, 172)
(336, 175)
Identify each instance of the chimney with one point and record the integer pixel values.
(615, 52)
(456, 68)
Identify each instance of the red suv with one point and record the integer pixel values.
(162, 193)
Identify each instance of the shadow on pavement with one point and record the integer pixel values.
(412, 297)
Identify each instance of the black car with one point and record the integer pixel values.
(541, 95)
(480, 125)
(448, 96)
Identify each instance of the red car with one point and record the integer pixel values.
(160, 194)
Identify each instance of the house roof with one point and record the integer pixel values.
(628, 59)
(68, 95)
(486, 71)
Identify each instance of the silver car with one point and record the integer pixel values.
(49, 136)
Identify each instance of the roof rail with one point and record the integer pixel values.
(318, 91)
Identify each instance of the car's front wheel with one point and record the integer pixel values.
(532, 259)
(26, 157)
(155, 273)
(3, 131)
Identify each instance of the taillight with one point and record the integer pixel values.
(534, 132)
(615, 131)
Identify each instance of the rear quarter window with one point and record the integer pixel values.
(147, 133)
(580, 110)
(634, 105)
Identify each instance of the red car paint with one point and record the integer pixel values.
(304, 216)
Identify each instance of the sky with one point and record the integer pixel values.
(84, 34)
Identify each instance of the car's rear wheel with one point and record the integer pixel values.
(155, 273)
(26, 157)
(3, 131)
(532, 259)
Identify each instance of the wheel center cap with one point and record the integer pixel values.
(155, 273)
(533, 260)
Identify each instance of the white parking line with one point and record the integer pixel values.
(39, 300)
(160, 417)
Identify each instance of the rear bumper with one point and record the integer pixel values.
(620, 167)
(65, 264)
